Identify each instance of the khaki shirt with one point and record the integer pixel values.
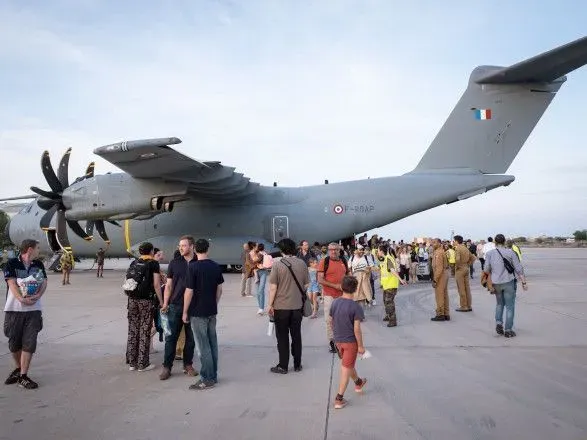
(439, 263)
(288, 295)
(463, 257)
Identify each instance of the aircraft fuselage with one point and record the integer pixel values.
(320, 213)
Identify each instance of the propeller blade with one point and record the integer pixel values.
(49, 174)
(90, 227)
(62, 237)
(63, 170)
(90, 171)
(47, 194)
(46, 204)
(45, 222)
(75, 227)
(102, 231)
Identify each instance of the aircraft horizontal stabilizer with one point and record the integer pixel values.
(546, 67)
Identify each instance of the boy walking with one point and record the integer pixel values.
(346, 325)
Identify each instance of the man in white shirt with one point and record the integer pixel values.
(490, 245)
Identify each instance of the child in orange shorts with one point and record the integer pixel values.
(346, 325)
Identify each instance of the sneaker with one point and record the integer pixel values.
(190, 371)
(374, 302)
(147, 368)
(278, 370)
(298, 368)
(359, 388)
(201, 385)
(13, 377)
(509, 333)
(165, 374)
(260, 312)
(438, 318)
(131, 368)
(499, 329)
(26, 382)
(339, 403)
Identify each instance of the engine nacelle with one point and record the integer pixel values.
(120, 197)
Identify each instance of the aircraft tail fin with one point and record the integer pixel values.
(499, 110)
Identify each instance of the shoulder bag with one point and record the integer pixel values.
(306, 305)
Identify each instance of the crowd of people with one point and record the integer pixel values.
(295, 282)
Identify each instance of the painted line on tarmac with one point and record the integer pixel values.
(328, 400)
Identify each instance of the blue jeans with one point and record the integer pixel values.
(261, 288)
(174, 316)
(505, 295)
(204, 329)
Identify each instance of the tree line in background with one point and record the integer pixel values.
(578, 236)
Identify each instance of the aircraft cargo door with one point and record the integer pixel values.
(280, 227)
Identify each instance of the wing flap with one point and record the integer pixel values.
(546, 67)
(155, 159)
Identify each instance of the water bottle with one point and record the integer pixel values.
(271, 326)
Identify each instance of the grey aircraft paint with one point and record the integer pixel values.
(164, 194)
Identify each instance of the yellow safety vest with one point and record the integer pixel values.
(452, 256)
(388, 280)
(516, 249)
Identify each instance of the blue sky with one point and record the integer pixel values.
(355, 89)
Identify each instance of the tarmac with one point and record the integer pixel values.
(426, 380)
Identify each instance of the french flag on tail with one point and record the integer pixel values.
(482, 113)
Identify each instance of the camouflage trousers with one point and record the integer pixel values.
(389, 303)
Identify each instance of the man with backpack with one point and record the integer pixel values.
(143, 283)
(502, 265)
(331, 271)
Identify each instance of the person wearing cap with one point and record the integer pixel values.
(361, 269)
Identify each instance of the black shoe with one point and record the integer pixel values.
(332, 348)
(277, 369)
(298, 368)
(499, 329)
(386, 318)
(446, 317)
(438, 318)
(13, 378)
(509, 333)
(25, 382)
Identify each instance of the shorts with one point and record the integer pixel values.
(21, 329)
(348, 353)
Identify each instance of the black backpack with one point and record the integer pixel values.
(327, 262)
(137, 284)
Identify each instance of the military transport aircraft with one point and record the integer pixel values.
(163, 194)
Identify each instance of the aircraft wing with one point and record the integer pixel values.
(155, 159)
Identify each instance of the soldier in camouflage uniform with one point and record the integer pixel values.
(390, 280)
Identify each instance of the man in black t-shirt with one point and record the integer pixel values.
(172, 310)
(203, 291)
